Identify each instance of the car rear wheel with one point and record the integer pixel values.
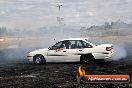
(39, 59)
(87, 58)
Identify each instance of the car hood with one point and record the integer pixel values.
(39, 51)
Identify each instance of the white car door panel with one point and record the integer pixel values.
(74, 54)
(58, 55)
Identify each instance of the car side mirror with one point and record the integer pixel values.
(90, 46)
(49, 48)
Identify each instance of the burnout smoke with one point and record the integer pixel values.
(119, 52)
(13, 55)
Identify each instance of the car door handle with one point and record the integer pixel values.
(64, 51)
(80, 50)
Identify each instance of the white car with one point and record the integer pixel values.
(72, 50)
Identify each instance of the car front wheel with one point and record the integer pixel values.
(39, 59)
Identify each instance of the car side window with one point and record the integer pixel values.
(72, 45)
(86, 45)
(79, 44)
(67, 44)
(75, 44)
(58, 46)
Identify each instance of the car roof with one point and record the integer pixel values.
(75, 39)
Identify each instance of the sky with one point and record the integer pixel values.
(28, 14)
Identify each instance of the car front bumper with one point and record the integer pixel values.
(30, 58)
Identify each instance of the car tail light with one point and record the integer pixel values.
(109, 48)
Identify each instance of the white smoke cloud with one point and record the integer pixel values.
(119, 52)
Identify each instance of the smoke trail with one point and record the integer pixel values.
(119, 52)
(13, 55)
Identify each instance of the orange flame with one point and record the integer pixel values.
(81, 71)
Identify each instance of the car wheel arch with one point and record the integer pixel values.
(89, 55)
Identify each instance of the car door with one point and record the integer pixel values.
(78, 47)
(57, 53)
(75, 50)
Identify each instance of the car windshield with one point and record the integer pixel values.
(95, 42)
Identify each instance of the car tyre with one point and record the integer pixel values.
(39, 59)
